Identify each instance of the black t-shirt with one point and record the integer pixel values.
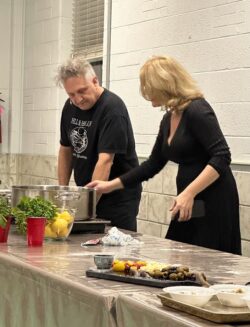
(105, 128)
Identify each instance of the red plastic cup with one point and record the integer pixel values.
(35, 230)
(4, 232)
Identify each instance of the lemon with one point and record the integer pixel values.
(66, 216)
(59, 225)
(63, 232)
(48, 232)
(119, 265)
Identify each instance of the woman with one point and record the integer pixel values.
(189, 135)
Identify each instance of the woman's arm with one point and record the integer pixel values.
(205, 128)
(146, 170)
(153, 165)
(106, 186)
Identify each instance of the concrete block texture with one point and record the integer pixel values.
(210, 38)
(48, 32)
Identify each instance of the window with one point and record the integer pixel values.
(97, 65)
(88, 22)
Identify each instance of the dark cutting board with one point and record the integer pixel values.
(120, 277)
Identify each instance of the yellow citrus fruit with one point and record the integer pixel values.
(63, 233)
(48, 232)
(119, 265)
(142, 263)
(59, 225)
(66, 216)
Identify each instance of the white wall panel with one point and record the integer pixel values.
(48, 41)
(210, 38)
(5, 65)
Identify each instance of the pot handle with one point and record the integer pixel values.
(67, 196)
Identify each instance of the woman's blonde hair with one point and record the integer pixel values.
(164, 79)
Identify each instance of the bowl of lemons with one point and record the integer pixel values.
(60, 226)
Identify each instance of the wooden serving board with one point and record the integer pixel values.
(120, 277)
(213, 310)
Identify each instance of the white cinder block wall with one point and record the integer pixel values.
(211, 38)
(5, 66)
(48, 27)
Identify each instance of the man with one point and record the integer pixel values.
(97, 141)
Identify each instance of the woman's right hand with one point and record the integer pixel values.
(105, 186)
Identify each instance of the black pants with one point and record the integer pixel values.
(122, 215)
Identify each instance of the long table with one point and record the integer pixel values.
(47, 286)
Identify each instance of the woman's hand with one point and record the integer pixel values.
(183, 204)
(106, 186)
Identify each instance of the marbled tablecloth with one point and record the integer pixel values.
(47, 287)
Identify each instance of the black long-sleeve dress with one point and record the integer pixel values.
(197, 142)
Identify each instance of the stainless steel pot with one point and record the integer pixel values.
(80, 199)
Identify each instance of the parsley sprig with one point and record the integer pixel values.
(5, 211)
(32, 207)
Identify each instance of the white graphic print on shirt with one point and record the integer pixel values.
(78, 136)
(79, 139)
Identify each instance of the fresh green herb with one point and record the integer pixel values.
(32, 207)
(20, 220)
(5, 211)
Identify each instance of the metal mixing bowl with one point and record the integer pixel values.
(82, 200)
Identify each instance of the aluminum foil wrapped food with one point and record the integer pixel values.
(118, 238)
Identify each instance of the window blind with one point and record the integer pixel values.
(88, 22)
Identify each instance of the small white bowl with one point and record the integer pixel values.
(231, 294)
(193, 295)
(247, 300)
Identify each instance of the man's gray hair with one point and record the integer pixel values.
(74, 67)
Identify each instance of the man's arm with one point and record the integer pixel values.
(64, 165)
(103, 167)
